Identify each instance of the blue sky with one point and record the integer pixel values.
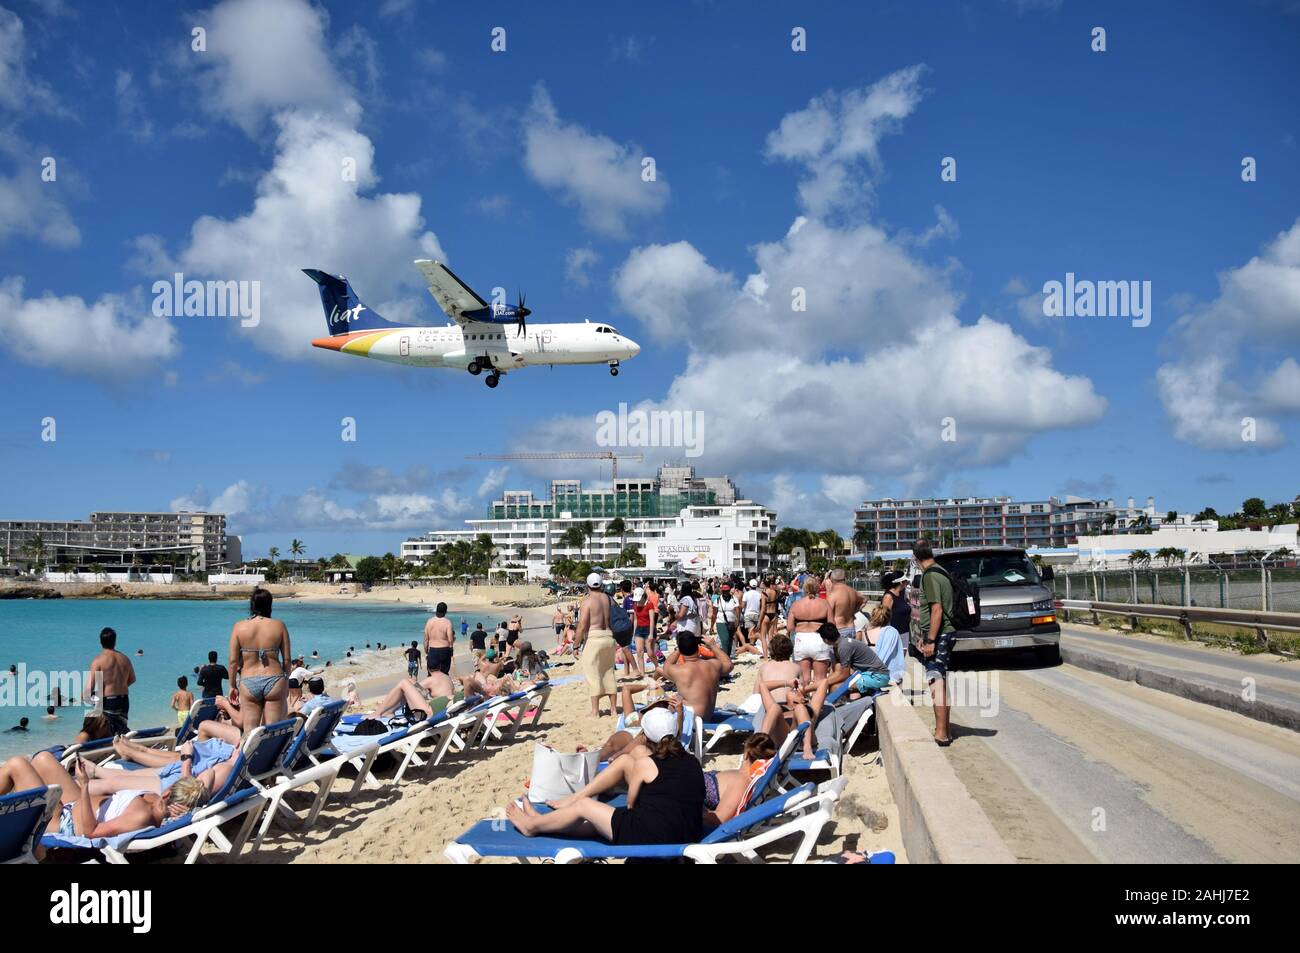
(776, 169)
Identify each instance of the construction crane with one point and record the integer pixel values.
(613, 458)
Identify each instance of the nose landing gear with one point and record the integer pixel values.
(613, 368)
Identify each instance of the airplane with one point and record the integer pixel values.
(477, 341)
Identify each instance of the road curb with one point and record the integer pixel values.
(941, 822)
(1182, 686)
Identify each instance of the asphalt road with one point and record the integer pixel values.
(1074, 766)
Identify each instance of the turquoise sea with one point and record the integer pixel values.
(63, 635)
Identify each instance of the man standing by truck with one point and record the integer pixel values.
(932, 630)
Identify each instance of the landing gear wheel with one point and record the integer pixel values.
(474, 368)
(492, 380)
(613, 370)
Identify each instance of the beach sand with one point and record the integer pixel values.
(413, 822)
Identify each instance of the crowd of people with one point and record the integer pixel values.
(677, 643)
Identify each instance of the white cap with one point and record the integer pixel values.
(638, 594)
(753, 583)
(595, 580)
(658, 723)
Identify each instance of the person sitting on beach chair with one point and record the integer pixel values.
(697, 668)
(88, 811)
(631, 737)
(425, 698)
(665, 801)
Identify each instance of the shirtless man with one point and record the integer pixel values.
(439, 641)
(696, 676)
(597, 660)
(419, 696)
(844, 601)
(805, 619)
(117, 674)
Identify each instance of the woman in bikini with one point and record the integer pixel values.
(259, 646)
(89, 810)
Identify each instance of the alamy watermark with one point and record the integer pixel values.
(21, 688)
(683, 429)
(177, 297)
(1084, 298)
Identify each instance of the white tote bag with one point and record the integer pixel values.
(556, 775)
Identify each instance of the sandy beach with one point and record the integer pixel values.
(414, 821)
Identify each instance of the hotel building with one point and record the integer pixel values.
(677, 520)
(122, 542)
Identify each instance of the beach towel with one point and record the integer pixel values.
(597, 663)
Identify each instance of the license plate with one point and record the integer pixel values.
(1002, 643)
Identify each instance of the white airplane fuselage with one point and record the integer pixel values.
(497, 345)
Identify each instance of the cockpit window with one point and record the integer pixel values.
(602, 330)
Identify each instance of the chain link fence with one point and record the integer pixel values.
(1223, 589)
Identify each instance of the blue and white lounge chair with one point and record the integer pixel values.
(259, 758)
(801, 813)
(23, 816)
(512, 709)
(739, 722)
(302, 758)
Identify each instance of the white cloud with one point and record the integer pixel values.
(264, 56)
(113, 339)
(1206, 389)
(796, 394)
(493, 481)
(131, 113)
(317, 206)
(838, 133)
(578, 263)
(252, 508)
(31, 207)
(595, 173)
(20, 92)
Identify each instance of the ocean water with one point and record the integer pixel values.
(54, 635)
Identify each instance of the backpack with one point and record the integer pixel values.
(619, 623)
(965, 601)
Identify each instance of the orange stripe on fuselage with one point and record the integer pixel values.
(337, 342)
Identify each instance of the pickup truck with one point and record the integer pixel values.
(1016, 608)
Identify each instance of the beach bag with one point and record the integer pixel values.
(619, 623)
(556, 775)
(965, 601)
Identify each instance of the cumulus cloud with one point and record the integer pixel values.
(265, 56)
(318, 205)
(877, 340)
(595, 173)
(113, 339)
(29, 206)
(1224, 346)
(836, 138)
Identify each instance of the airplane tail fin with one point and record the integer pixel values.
(344, 311)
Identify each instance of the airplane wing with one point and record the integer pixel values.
(452, 294)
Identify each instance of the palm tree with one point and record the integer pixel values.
(864, 539)
(616, 527)
(36, 551)
(1139, 557)
(521, 553)
(588, 530)
(274, 553)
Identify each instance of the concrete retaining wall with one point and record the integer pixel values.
(941, 822)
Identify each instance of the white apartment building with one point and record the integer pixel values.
(677, 520)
